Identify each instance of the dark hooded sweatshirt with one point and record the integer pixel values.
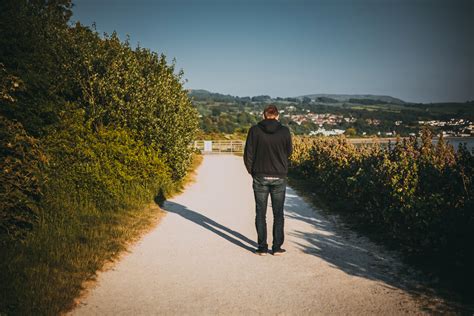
(267, 149)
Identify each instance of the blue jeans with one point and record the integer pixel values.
(262, 187)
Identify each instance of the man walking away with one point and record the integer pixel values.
(267, 150)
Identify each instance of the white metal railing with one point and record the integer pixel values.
(237, 146)
(219, 146)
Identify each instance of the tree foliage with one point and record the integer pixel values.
(128, 116)
(20, 159)
(91, 130)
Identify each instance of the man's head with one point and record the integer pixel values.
(270, 112)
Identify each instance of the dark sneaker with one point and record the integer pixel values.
(278, 252)
(261, 252)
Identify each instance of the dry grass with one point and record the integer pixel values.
(59, 262)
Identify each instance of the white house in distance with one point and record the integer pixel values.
(330, 132)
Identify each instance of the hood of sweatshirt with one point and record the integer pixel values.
(269, 126)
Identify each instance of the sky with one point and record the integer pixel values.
(416, 50)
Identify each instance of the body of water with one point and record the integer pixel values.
(454, 141)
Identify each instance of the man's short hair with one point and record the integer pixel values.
(270, 111)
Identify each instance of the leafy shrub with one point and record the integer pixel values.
(112, 125)
(20, 160)
(134, 89)
(102, 168)
(419, 194)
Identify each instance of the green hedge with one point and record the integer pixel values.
(20, 159)
(99, 116)
(106, 169)
(416, 193)
(92, 129)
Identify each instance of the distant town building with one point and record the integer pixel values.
(325, 132)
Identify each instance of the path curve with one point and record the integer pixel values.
(199, 260)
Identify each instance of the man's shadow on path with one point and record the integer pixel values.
(341, 248)
(225, 232)
(347, 251)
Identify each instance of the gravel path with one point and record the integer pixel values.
(199, 261)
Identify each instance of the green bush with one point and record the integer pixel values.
(416, 193)
(106, 169)
(20, 159)
(91, 131)
(111, 118)
(134, 89)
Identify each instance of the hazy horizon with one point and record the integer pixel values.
(415, 50)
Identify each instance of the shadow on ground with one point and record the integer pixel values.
(220, 230)
(357, 256)
(337, 245)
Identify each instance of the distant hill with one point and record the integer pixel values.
(198, 91)
(352, 98)
(204, 95)
(367, 99)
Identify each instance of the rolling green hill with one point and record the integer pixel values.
(201, 94)
(353, 98)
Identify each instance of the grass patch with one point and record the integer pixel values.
(46, 272)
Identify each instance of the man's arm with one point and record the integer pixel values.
(249, 151)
